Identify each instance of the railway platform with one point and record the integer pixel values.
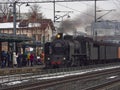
(16, 70)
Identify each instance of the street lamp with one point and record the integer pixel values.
(27, 4)
(14, 32)
(14, 29)
(19, 5)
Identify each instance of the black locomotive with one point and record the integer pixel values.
(70, 51)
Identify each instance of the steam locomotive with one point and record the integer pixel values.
(68, 51)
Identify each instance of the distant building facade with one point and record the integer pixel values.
(35, 30)
(40, 31)
(103, 28)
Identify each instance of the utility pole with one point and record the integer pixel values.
(14, 32)
(95, 10)
(54, 11)
(14, 23)
(93, 25)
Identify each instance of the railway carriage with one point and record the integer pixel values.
(104, 52)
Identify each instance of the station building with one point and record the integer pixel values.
(39, 32)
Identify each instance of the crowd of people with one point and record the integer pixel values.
(9, 59)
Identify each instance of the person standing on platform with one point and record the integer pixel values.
(28, 59)
(14, 59)
(8, 58)
(19, 60)
(3, 59)
(31, 58)
(42, 57)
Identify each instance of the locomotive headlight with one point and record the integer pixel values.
(48, 58)
(64, 58)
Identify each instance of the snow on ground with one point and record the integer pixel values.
(55, 75)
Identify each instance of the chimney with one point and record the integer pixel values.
(4, 18)
(10, 19)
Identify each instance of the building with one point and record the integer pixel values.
(40, 31)
(104, 31)
(103, 28)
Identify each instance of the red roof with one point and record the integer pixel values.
(23, 23)
(44, 23)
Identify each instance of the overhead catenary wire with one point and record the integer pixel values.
(42, 1)
(76, 10)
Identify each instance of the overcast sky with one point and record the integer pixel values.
(81, 8)
(82, 12)
(78, 8)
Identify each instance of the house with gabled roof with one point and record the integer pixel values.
(40, 31)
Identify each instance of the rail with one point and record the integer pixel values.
(48, 75)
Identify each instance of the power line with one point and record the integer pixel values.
(45, 1)
(50, 1)
(76, 10)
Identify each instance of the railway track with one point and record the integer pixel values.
(91, 78)
(110, 85)
(76, 81)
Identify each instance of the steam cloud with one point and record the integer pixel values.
(85, 19)
(70, 26)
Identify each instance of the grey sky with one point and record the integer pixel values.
(81, 8)
(78, 8)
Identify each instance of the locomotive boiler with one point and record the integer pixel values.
(71, 51)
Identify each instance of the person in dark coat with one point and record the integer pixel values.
(19, 60)
(3, 59)
(31, 58)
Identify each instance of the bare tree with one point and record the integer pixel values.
(35, 13)
(5, 11)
